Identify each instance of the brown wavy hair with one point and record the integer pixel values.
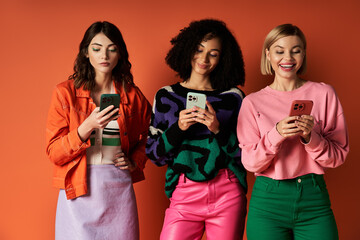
(84, 73)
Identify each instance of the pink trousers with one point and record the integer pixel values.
(217, 207)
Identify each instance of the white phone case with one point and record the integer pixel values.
(195, 99)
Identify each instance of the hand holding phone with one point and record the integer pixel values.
(195, 99)
(299, 108)
(108, 100)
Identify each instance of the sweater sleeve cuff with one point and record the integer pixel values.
(175, 135)
(222, 137)
(274, 137)
(314, 142)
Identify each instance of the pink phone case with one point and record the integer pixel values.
(301, 107)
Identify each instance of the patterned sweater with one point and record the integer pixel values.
(196, 152)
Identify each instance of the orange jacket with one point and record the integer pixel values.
(68, 109)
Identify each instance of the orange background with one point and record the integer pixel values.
(39, 41)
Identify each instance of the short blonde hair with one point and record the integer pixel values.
(275, 34)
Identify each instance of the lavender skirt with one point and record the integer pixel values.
(107, 212)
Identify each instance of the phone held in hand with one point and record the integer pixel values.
(195, 99)
(301, 107)
(109, 99)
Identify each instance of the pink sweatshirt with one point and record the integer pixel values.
(267, 153)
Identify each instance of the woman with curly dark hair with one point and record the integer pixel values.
(205, 180)
(98, 154)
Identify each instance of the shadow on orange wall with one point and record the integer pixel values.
(40, 40)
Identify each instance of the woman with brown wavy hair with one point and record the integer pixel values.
(97, 155)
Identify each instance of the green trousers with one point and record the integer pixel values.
(296, 209)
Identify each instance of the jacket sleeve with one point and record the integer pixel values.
(137, 154)
(329, 146)
(62, 143)
(257, 152)
(163, 135)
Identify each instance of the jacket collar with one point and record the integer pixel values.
(119, 89)
(81, 92)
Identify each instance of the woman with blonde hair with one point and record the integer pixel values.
(289, 154)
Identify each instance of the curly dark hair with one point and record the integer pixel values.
(84, 73)
(230, 70)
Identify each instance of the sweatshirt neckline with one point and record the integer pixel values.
(301, 89)
(183, 89)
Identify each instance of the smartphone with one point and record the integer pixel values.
(109, 99)
(301, 107)
(195, 99)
